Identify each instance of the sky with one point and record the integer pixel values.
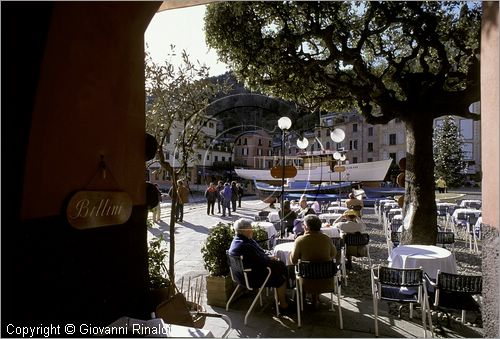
(183, 28)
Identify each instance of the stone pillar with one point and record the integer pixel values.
(490, 164)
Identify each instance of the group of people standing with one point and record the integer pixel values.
(227, 195)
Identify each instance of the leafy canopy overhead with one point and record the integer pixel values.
(391, 59)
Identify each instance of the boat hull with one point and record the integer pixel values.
(368, 171)
(269, 193)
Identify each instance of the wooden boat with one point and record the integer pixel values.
(449, 197)
(315, 167)
(295, 190)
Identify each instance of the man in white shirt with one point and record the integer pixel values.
(349, 222)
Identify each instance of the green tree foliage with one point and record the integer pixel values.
(448, 156)
(415, 61)
(176, 98)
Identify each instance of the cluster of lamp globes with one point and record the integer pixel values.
(337, 135)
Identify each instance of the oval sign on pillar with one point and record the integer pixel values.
(91, 209)
(402, 164)
(400, 179)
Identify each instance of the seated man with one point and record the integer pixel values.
(349, 222)
(256, 259)
(354, 204)
(314, 246)
(304, 209)
(289, 216)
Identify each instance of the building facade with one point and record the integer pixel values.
(364, 142)
(209, 152)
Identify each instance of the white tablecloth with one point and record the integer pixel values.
(329, 217)
(395, 211)
(336, 209)
(273, 216)
(430, 258)
(282, 252)
(468, 202)
(382, 202)
(390, 205)
(332, 232)
(446, 204)
(458, 211)
(267, 226)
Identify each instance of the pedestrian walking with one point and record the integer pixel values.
(226, 194)
(219, 187)
(211, 195)
(182, 198)
(441, 185)
(234, 196)
(240, 193)
(157, 209)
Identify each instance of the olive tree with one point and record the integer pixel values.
(415, 61)
(176, 99)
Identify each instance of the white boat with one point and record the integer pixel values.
(315, 167)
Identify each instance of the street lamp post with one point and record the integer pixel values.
(339, 157)
(231, 148)
(338, 135)
(284, 123)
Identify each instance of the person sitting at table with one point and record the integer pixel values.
(349, 222)
(314, 246)
(257, 260)
(354, 204)
(304, 209)
(288, 216)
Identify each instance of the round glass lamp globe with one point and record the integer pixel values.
(342, 158)
(284, 123)
(337, 135)
(302, 143)
(337, 155)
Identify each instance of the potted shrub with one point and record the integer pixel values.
(219, 283)
(159, 283)
(260, 235)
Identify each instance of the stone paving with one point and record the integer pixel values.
(357, 305)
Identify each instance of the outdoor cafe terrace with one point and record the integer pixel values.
(356, 301)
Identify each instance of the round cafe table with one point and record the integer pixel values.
(430, 258)
(330, 231)
(268, 227)
(336, 209)
(329, 217)
(282, 252)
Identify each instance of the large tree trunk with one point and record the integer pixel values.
(420, 221)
